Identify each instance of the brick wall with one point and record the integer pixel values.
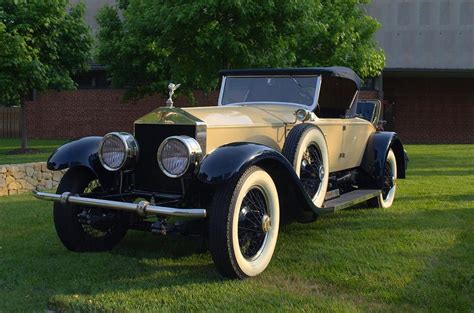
(71, 114)
(425, 110)
(432, 110)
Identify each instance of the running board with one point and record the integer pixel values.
(349, 199)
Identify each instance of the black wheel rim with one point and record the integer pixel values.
(95, 222)
(312, 170)
(388, 182)
(252, 216)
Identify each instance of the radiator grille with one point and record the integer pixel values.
(148, 175)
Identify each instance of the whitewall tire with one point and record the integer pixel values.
(243, 224)
(307, 151)
(386, 197)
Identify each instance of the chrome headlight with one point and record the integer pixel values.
(118, 151)
(176, 154)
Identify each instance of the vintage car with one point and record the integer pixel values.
(282, 145)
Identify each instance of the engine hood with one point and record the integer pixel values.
(219, 125)
(244, 116)
(223, 116)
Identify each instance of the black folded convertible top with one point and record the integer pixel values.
(333, 71)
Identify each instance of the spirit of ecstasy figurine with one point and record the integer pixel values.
(171, 89)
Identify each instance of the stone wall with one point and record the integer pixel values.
(18, 178)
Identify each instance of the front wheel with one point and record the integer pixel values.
(243, 224)
(83, 228)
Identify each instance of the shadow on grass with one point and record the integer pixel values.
(447, 278)
(40, 268)
(420, 220)
(469, 171)
(440, 198)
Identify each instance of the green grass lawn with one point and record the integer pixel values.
(45, 147)
(416, 256)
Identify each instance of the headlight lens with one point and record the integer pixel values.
(176, 154)
(118, 151)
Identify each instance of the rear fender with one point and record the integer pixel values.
(376, 151)
(81, 153)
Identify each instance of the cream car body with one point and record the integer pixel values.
(280, 145)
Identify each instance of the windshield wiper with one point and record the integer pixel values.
(305, 92)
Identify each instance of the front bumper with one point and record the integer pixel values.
(142, 208)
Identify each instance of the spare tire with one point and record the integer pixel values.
(306, 149)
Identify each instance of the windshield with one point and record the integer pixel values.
(301, 90)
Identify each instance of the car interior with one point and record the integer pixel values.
(335, 98)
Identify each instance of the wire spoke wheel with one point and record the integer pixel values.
(253, 223)
(306, 149)
(244, 223)
(388, 182)
(103, 220)
(86, 228)
(312, 170)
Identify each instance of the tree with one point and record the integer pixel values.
(146, 43)
(42, 45)
(346, 38)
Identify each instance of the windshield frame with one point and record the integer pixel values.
(309, 108)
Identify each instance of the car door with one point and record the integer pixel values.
(357, 128)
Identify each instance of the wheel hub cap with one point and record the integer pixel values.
(266, 223)
(321, 172)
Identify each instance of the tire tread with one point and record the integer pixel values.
(72, 237)
(220, 220)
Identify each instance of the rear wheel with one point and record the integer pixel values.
(243, 224)
(85, 228)
(389, 187)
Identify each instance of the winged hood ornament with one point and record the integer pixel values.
(171, 89)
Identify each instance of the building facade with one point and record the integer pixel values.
(427, 85)
(428, 82)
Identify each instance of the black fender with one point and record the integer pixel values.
(81, 152)
(230, 161)
(375, 155)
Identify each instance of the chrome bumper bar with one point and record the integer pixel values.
(142, 208)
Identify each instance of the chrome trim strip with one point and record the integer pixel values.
(168, 116)
(201, 136)
(221, 91)
(142, 208)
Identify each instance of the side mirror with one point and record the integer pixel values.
(380, 124)
(302, 115)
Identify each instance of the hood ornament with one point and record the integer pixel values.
(171, 89)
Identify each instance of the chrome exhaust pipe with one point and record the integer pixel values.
(142, 208)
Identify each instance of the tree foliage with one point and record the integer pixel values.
(42, 44)
(146, 43)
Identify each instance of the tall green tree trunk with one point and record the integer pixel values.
(23, 125)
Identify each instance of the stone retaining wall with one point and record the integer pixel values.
(18, 178)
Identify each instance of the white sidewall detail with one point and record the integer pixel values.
(314, 136)
(388, 201)
(264, 182)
